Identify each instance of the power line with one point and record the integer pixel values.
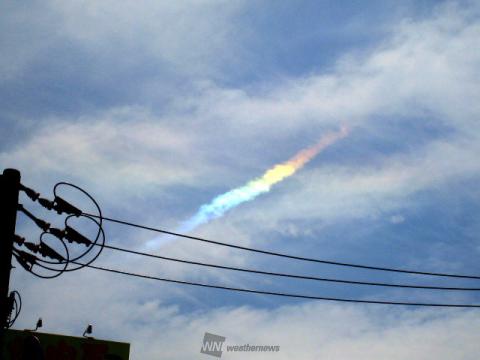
(288, 256)
(304, 277)
(290, 295)
(28, 260)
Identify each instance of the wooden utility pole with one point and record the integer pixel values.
(9, 189)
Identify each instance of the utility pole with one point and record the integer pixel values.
(9, 189)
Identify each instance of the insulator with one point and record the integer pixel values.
(73, 235)
(62, 206)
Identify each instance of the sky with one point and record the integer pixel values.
(158, 108)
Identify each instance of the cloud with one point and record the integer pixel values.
(369, 189)
(412, 105)
(312, 331)
(188, 38)
(305, 330)
(216, 138)
(106, 146)
(397, 79)
(397, 219)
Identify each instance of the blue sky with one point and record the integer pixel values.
(158, 107)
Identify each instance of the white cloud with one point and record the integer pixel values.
(20, 45)
(219, 137)
(365, 190)
(313, 331)
(397, 79)
(190, 38)
(123, 147)
(397, 219)
(306, 330)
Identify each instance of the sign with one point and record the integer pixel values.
(21, 345)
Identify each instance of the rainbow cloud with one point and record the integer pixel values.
(224, 202)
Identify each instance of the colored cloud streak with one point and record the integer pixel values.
(224, 202)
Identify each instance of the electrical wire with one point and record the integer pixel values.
(17, 306)
(66, 264)
(45, 264)
(99, 223)
(54, 270)
(101, 234)
(294, 276)
(288, 256)
(290, 295)
(62, 183)
(94, 243)
(67, 252)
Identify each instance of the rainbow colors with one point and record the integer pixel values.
(224, 202)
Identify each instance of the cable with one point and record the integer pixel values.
(16, 305)
(304, 277)
(57, 268)
(293, 257)
(90, 217)
(66, 264)
(99, 210)
(45, 267)
(290, 295)
(100, 232)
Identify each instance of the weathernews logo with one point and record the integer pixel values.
(213, 344)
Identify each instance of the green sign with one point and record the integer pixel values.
(34, 345)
